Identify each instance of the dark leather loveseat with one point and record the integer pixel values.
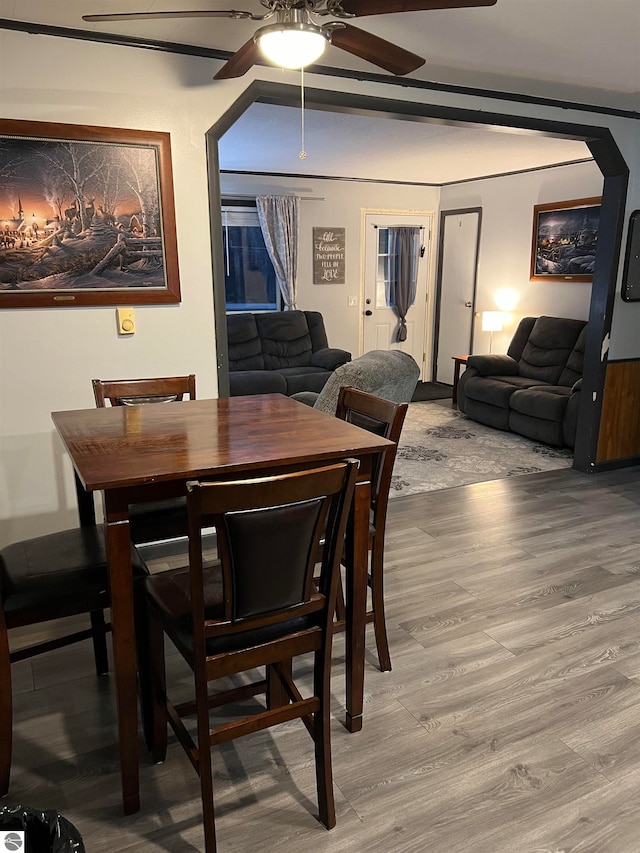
(280, 352)
(534, 389)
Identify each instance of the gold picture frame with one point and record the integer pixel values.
(565, 235)
(86, 216)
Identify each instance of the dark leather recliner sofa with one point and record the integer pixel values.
(533, 390)
(281, 352)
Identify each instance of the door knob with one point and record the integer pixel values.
(467, 305)
(368, 313)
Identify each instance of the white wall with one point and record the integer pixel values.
(337, 204)
(505, 247)
(49, 356)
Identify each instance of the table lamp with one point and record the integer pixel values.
(492, 322)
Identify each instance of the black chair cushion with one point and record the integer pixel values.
(52, 576)
(170, 593)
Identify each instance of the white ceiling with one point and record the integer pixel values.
(586, 51)
(582, 50)
(363, 147)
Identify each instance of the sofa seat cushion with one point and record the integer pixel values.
(536, 429)
(286, 340)
(242, 382)
(495, 390)
(304, 378)
(547, 403)
(493, 416)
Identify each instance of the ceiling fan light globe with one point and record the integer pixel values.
(292, 46)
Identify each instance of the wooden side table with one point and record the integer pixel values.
(458, 360)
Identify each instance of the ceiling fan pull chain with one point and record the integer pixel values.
(303, 153)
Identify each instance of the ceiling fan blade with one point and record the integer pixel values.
(148, 16)
(386, 7)
(241, 61)
(378, 51)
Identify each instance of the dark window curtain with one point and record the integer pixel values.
(279, 217)
(404, 251)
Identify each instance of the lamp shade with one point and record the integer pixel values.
(492, 321)
(292, 45)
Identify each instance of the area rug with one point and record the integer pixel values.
(440, 448)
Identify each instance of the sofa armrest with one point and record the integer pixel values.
(493, 365)
(330, 358)
(577, 386)
(307, 397)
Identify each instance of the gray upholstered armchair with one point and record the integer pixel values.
(391, 374)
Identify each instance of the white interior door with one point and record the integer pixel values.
(456, 297)
(380, 322)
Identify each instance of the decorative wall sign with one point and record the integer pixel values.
(329, 255)
(565, 235)
(86, 216)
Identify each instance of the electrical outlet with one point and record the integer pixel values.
(352, 302)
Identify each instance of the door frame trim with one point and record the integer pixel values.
(438, 294)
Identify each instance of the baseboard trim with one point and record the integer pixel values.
(615, 464)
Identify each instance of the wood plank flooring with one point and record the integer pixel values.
(509, 724)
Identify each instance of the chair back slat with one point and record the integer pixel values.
(268, 535)
(132, 392)
(270, 556)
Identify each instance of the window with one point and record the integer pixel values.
(250, 280)
(383, 269)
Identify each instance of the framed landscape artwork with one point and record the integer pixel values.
(565, 236)
(86, 216)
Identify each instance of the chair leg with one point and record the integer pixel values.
(276, 694)
(99, 630)
(156, 733)
(143, 656)
(377, 597)
(205, 770)
(6, 709)
(322, 741)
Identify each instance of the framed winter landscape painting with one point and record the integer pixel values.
(565, 235)
(86, 216)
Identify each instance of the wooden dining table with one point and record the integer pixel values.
(148, 452)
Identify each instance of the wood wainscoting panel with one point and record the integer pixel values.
(620, 421)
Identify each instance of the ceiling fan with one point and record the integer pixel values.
(295, 40)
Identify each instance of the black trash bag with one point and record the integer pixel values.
(45, 831)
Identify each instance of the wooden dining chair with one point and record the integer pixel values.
(132, 392)
(257, 606)
(52, 577)
(154, 520)
(385, 419)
